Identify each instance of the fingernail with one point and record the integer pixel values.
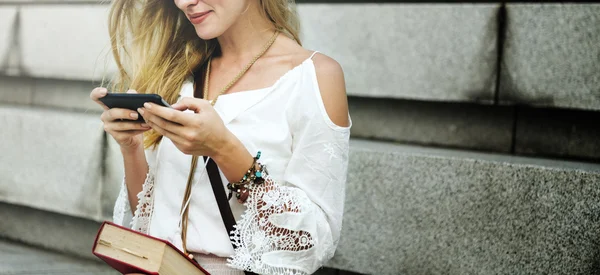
(103, 92)
(140, 111)
(133, 115)
(147, 105)
(145, 125)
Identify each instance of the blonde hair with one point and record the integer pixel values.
(156, 48)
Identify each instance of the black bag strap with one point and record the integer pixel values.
(213, 170)
(220, 195)
(217, 186)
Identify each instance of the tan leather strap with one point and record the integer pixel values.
(185, 208)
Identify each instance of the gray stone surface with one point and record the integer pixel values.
(413, 213)
(551, 56)
(16, 90)
(56, 93)
(433, 123)
(7, 19)
(65, 94)
(440, 52)
(62, 233)
(432, 53)
(16, 258)
(415, 210)
(75, 41)
(51, 160)
(558, 133)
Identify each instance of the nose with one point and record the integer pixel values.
(183, 4)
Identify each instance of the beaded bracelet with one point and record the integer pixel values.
(254, 175)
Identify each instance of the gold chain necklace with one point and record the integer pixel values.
(239, 75)
(185, 208)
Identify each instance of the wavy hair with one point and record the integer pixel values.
(156, 48)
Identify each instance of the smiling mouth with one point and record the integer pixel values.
(197, 18)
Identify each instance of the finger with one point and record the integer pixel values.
(167, 113)
(176, 138)
(194, 104)
(127, 126)
(118, 114)
(131, 92)
(156, 121)
(98, 93)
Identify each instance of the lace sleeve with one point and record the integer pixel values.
(292, 225)
(122, 214)
(140, 220)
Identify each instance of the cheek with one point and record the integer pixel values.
(179, 3)
(229, 10)
(225, 14)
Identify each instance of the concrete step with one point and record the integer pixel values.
(16, 258)
(412, 210)
(418, 210)
(423, 51)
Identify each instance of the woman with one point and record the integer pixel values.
(276, 104)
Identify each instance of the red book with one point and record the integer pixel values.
(129, 251)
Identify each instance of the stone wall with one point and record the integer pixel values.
(501, 79)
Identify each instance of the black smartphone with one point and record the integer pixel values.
(132, 101)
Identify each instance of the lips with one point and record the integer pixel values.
(197, 18)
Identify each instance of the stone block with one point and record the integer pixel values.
(551, 56)
(558, 133)
(46, 229)
(16, 90)
(437, 212)
(439, 52)
(65, 94)
(445, 124)
(7, 24)
(75, 41)
(51, 160)
(21, 259)
(72, 95)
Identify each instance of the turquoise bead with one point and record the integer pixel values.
(258, 174)
(258, 155)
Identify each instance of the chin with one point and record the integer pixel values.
(207, 32)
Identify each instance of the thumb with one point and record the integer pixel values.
(194, 104)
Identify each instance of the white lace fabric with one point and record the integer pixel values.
(262, 232)
(140, 220)
(143, 212)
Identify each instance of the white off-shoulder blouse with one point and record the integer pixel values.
(306, 155)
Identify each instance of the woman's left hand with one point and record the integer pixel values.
(201, 133)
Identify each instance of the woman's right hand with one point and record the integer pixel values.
(121, 124)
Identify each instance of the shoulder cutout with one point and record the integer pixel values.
(332, 85)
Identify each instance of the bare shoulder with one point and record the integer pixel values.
(330, 78)
(327, 65)
(332, 85)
